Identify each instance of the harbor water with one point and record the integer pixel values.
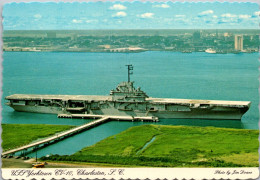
(159, 74)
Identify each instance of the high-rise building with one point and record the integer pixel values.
(239, 42)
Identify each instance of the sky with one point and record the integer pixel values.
(130, 15)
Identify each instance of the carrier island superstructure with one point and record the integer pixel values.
(126, 100)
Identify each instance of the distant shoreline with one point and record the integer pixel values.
(136, 51)
(132, 41)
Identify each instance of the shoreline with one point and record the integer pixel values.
(118, 52)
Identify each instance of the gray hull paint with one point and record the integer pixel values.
(193, 114)
(37, 109)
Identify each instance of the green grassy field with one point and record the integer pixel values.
(174, 146)
(15, 135)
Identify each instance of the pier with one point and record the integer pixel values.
(121, 118)
(68, 133)
(58, 137)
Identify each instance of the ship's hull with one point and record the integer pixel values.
(103, 105)
(195, 114)
(37, 109)
(201, 114)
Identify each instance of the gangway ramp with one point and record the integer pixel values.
(111, 117)
(58, 136)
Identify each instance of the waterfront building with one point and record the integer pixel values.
(239, 42)
(226, 34)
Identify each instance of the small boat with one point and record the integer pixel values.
(210, 50)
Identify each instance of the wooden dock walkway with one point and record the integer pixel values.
(126, 118)
(58, 136)
(75, 130)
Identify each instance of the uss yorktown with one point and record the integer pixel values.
(127, 101)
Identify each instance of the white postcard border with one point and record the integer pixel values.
(123, 173)
(132, 173)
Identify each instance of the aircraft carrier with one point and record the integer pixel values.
(126, 100)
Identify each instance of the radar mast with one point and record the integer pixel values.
(130, 70)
